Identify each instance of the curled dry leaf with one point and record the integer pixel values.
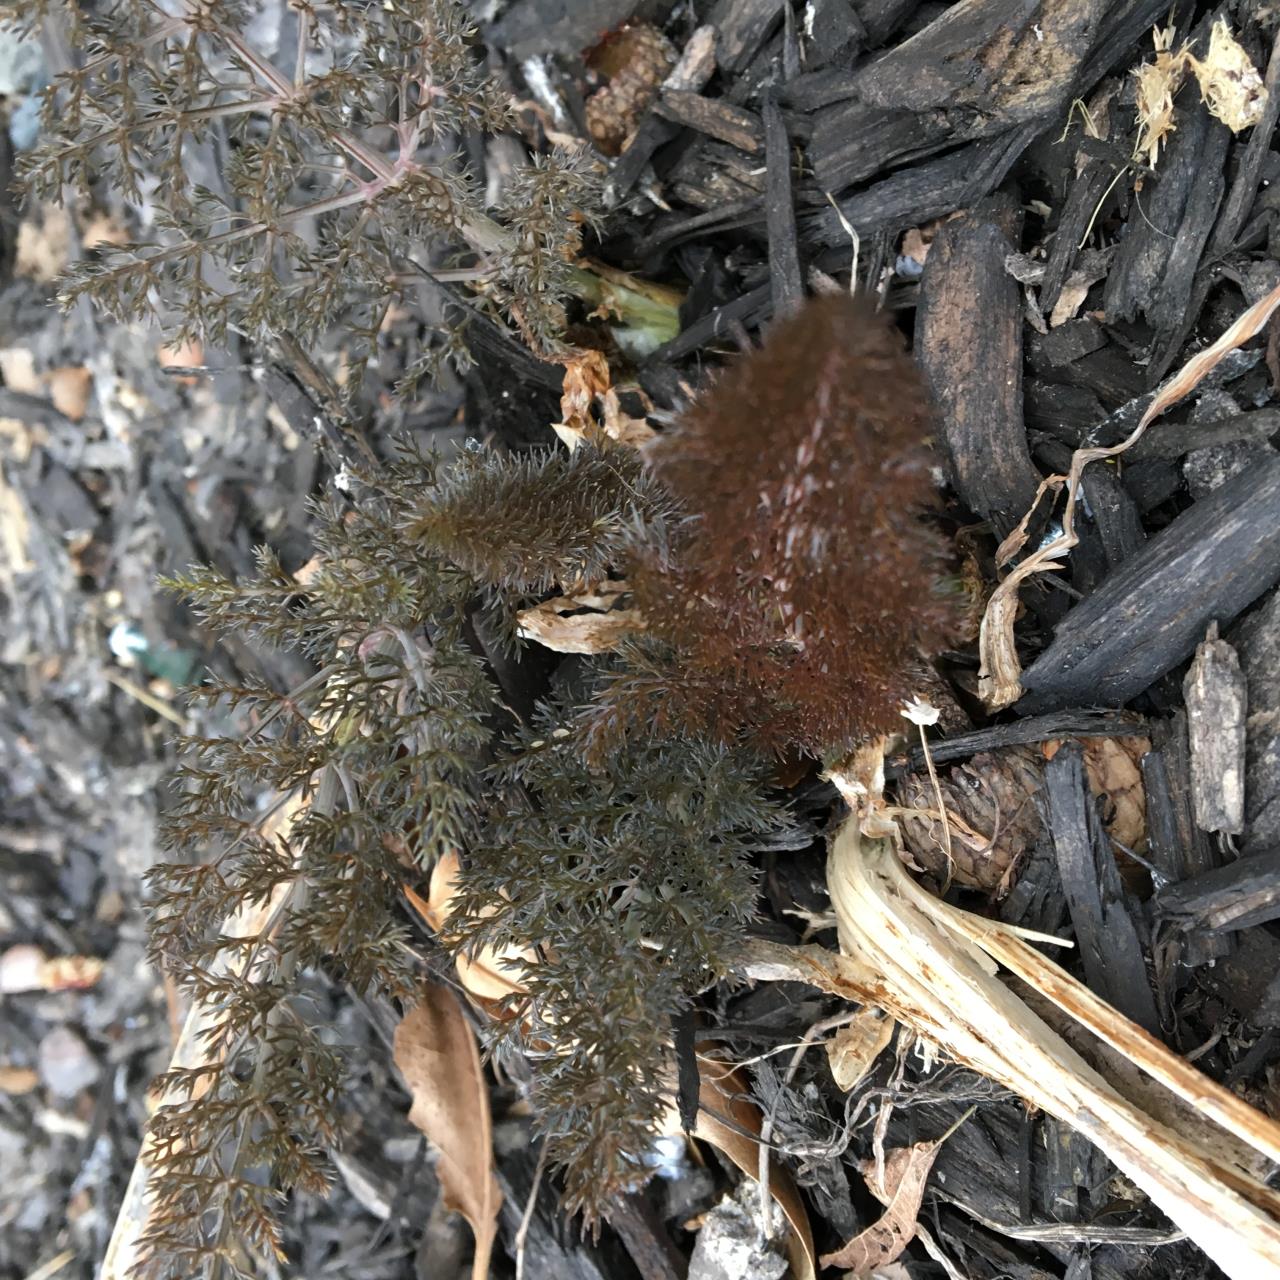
(586, 375)
(1000, 674)
(585, 622)
(436, 1052)
(492, 974)
(906, 1170)
(731, 1122)
(588, 385)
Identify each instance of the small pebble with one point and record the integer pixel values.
(21, 969)
(66, 1064)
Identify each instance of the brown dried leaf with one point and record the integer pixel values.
(906, 1170)
(69, 389)
(436, 1052)
(726, 1116)
(17, 1080)
(491, 975)
(587, 384)
(586, 375)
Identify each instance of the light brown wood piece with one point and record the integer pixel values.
(1217, 699)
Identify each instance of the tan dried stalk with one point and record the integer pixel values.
(196, 1048)
(934, 968)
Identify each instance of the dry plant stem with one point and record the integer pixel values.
(999, 677)
(526, 1218)
(942, 807)
(929, 966)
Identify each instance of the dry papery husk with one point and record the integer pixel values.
(1192, 1146)
(994, 811)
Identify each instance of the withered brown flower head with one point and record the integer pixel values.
(808, 583)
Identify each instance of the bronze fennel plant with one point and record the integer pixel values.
(615, 832)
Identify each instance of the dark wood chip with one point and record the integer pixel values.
(714, 117)
(784, 254)
(1106, 938)
(1211, 562)
(1244, 892)
(974, 371)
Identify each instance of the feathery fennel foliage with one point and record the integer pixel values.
(382, 752)
(634, 878)
(330, 166)
(624, 860)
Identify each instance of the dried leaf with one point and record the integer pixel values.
(492, 974)
(906, 1170)
(69, 389)
(561, 625)
(857, 1044)
(18, 1080)
(436, 1052)
(588, 384)
(723, 1097)
(586, 375)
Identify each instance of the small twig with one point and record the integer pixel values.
(147, 698)
(526, 1218)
